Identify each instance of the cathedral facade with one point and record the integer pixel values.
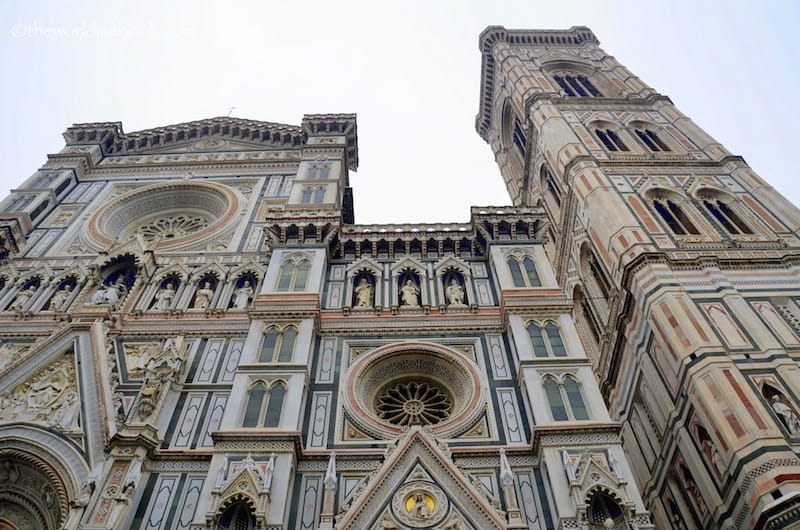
(195, 333)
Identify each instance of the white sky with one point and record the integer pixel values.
(410, 70)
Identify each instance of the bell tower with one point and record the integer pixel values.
(681, 265)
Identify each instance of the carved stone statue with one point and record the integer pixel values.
(409, 294)
(203, 296)
(454, 294)
(59, 300)
(23, 297)
(164, 298)
(108, 294)
(786, 414)
(241, 296)
(420, 508)
(364, 293)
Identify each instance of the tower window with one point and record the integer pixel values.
(577, 86)
(651, 140)
(530, 277)
(264, 407)
(611, 140)
(565, 399)
(546, 340)
(293, 276)
(318, 172)
(549, 182)
(278, 345)
(672, 214)
(726, 217)
(520, 140)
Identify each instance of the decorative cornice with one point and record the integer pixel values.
(113, 140)
(335, 125)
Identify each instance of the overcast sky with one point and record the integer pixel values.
(410, 70)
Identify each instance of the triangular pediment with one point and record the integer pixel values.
(420, 486)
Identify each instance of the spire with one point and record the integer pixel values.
(330, 473)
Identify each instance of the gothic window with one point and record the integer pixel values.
(264, 405)
(553, 392)
(278, 345)
(546, 340)
(675, 218)
(565, 399)
(293, 276)
(312, 195)
(728, 218)
(39, 209)
(651, 140)
(602, 508)
(549, 184)
(520, 140)
(318, 172)
(577, 85)
(528, 278)
(236, 517)
(610, 139)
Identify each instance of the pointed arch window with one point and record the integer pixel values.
(520, 140)
(549, 183)
(293, 276)
(546, 340)
(565, 398)
(675, 218)
(523, 274)
(577, 86)
(652, 140)
(278, 345)
(264, 405)
(306, 197)
(319, 195)
(611, 140)
(728, 218)
(318, 172)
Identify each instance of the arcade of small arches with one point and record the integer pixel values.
(119, 281)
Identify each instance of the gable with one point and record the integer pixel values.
(419, 486)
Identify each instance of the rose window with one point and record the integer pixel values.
(171, 227)
(414, 403)
(172, 216)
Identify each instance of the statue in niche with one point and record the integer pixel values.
(164, 297)
(241, 296)
(454, 294)
(59, 300)
(364, 293)
(203, 296)
(108, 294)
(23, 297)
(786, 414)
(409, 294)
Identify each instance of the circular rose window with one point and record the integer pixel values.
(416, 402)
(169, 215)
(401, 385)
